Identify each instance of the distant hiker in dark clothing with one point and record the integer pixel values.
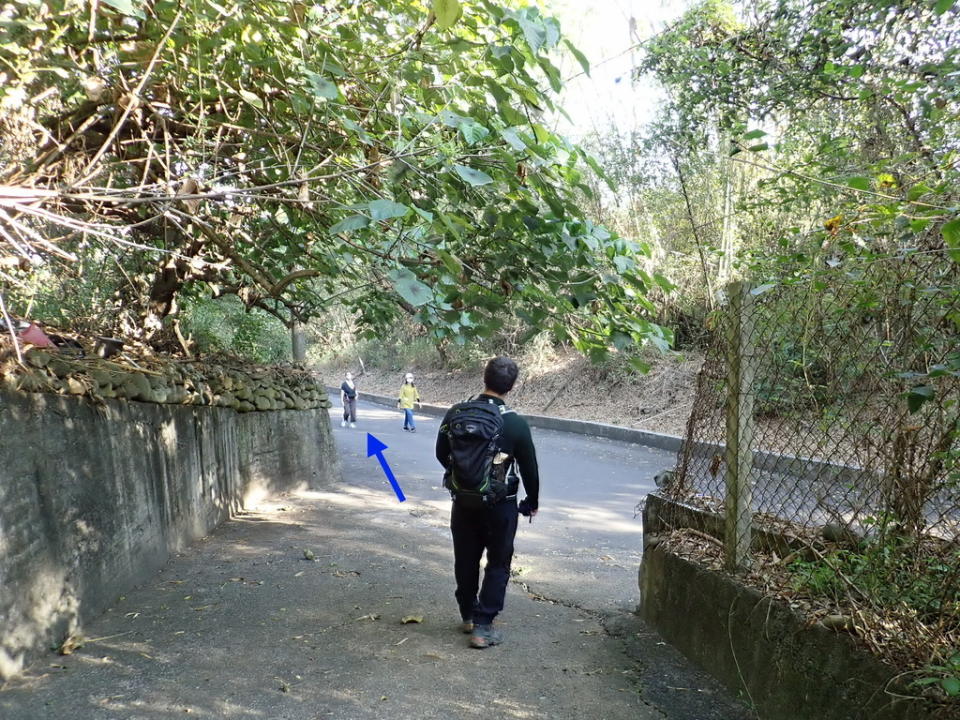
(482, 444)
(348, 396)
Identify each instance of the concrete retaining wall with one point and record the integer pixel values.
(95, 497)
(788, 668)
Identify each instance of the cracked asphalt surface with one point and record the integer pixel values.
(295, 609)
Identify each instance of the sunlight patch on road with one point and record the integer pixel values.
(599, 519)
(358, 498)
(364, 414)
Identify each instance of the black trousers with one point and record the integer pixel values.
(491, 529)
(350, 409)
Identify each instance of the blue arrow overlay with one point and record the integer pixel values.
(375, 447)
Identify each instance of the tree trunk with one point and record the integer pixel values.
(170, 278)
(728, 232)
(298, 341)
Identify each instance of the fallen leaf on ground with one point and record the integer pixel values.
(370, 616)
(411, 619)
(74, 642)
(308, 555)
(298, 574)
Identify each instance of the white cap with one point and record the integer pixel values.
(409, 377)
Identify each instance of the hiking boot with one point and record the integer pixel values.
(466, 627)
(484, 636)
(413, 429)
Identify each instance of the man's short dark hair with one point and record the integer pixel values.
(500, 375)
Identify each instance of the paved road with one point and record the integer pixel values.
(246, 625)
(583, 546)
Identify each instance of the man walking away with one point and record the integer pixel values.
(482, 444)
(348, 396)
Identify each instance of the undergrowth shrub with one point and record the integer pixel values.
(226, 325)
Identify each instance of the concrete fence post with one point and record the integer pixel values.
(739, 438)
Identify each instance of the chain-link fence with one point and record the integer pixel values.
(827, 415)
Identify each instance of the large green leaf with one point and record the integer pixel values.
(552, 73)
(321, 87)
(354, 222)
(127, 7)
(451, 119)
(450, 262)
(251, 98)
(514, 139)
(580, 57)
(951, 236)
(534, 31)
(473, 132)
(942, 6)
(409, 287)
(362, 134)
(473, 176)
(595, 166)
(918, 395)
(386, 209)
(447, 12)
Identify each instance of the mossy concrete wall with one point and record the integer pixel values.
(94, 497)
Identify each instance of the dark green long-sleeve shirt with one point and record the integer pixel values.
(516, 441)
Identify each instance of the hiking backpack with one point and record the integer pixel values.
(473, 431)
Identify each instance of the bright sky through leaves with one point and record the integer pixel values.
(607, 32)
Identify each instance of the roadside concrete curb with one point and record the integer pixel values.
(807, 469)
(671, 443)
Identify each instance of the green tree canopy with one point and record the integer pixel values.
(843, 111)
(389, 155)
